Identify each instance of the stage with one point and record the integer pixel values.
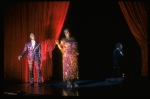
(110, 86)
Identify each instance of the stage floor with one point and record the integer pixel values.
(110, 86)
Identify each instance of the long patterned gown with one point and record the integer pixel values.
(70, 61)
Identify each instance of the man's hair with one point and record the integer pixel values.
(118, 44)
(32, 34)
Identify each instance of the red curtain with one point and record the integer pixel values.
(45, 19)
(135, 14)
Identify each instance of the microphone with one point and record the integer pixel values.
(121, 53)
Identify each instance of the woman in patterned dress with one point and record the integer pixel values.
(68, 47)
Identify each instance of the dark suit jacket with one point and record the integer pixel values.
(116, 57)
(33, 54)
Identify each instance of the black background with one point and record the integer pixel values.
(97, 27)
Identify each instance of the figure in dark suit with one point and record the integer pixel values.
(34, 57)
(117, 54)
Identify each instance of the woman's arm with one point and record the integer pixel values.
(75, 46)
(60, 46)
(77, 51)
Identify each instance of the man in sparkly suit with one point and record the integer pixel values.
(34, 57)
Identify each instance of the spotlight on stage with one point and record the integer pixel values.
(123, 75)
(9, 93)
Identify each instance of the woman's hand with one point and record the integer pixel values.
(77, 54)
(57, 42)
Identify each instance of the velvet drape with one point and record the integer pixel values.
(135, 14)
(45, 19)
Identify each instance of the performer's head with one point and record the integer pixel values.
(119, 46)
(32, 36)
(67, 34)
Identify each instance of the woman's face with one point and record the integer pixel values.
(66, 34)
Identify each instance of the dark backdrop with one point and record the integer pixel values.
(97, 27)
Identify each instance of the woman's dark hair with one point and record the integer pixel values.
(67, 29)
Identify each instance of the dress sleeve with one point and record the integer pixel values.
(61, 45)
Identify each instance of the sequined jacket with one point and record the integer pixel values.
(33, 54)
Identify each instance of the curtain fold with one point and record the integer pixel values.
(135, 14)
(45, 19)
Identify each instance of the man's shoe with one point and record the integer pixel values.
(32, 84)
(40, 84)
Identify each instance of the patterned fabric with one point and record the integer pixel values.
(33, 54)
(37, 68)
(34, 57)
(70, 62)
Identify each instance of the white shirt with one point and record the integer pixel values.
(33, 43)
